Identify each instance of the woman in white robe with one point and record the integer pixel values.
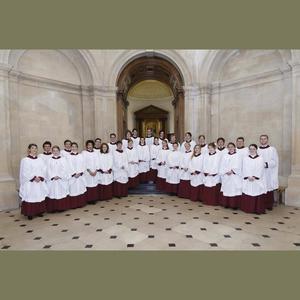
(184, 188)
(77, 182)
(231, 174)
(270, 157)
(91, 161)
(196, 174)
(154, 149)
(67, 149)
(212, 186)
(173, 170)
(105, 172)
(47, 153)
(144, 161)
(120, 171)
(254, 185)
(133, 165)
(57, 179)
(162, 166)
(162, 137)
(33, 188)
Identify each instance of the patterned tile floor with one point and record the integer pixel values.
(152, 222)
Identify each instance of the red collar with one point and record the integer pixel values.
(188, 151)
(112, 143)
(221, 149)
(89, 150)
(212, 153)
(253, 157)
(121, 151)
(58, 157)
(240, 147)
(96, 148)
(130, 148)
(264, 147)
(67, 150)
(202, 145)
(47, 153)
(72, 153)
(196, 155)
(32, 157)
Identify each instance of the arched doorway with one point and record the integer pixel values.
(150, 66)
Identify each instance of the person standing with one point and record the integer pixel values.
(144, 160)
(149, 137)
(184, 188)
(240, 147)
(154, 149)
(33, 188)
(97, 145)
(120, 171)
(162, 166)
(231, 173)
(211, 164)
(196, 171)
(112, 143)
(91, 160)
(128, 137)
(173, 170)
(270, 158)
(133, 165)
(202, 143)
(254, 184)
(105, 172)
(77, 182)
(188, 139)
(57, 179)
(135, 138)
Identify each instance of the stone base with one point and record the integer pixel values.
(292, 196)
(8, 194)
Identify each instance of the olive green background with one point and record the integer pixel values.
(149, 24)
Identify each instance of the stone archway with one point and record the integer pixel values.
(150, 66)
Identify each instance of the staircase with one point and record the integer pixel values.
(145, 188)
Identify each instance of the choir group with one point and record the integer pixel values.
(235, 176)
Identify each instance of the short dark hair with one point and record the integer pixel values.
(47, 143)
(31, 145)
(213, 145)
(55, 147)
(101, 148)
(74, 143)
(97, 139)
(221, 139)
(189, 133)
(67, 141)
(119, 142)
(241, 138)
(253, 145)
(231, 143)
(264, 135)
(89, 142)
(112, 134)
(201, 135)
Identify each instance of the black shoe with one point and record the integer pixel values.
(30, 217)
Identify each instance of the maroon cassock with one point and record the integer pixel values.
(196, 192)
(54, 205)
(253, 204)
(171, 188)
(31, 209)
(120, 189)
(144, 177)
(92, 194)
(184, 189)
(211, 195)
(106, 191)
(77, 201)
(133, 182)
(229, 202)
(152, 175)
(160, 184)
(269, 200)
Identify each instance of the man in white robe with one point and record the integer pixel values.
(270, 157)
(202, 143)
(47, 153)
(112, 143)
(240, 147)
(67, 148)
(188, 139)
(133, 165)
(149, 137)
(135, 138)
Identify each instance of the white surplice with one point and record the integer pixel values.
(196, 170)
(211, 165)
(144, 158)
(133, 162)
(105, 165)
(120, 166)
(91, 161)
(173, 167)
(161, 163)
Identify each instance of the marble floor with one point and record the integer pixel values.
(152, 222)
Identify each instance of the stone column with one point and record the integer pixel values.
(8, 192)
(105, 111)
(293, 190)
